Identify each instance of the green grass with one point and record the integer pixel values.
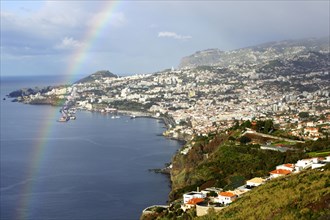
(319, 154)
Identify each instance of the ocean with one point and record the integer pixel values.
(94, 167)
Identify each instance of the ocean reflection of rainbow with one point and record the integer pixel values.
(26, 206)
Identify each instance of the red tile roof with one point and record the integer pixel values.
(194, 201)
(227, 194)
(280, 171)
(289, 165)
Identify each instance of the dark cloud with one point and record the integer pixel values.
(146, 36)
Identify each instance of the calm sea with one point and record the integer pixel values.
(94, 167)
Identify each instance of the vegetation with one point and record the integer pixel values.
(303, 114)
(297, 196)
(227, 159)
(173, 213)
(97, 75)
(130, 105)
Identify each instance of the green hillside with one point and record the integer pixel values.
(299, 196)
(223, 162)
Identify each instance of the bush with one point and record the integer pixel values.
(245, 140)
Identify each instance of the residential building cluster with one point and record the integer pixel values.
(204, 200)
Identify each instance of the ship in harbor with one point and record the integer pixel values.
(63, 119)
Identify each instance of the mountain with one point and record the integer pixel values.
(99, 75)
(256, 54)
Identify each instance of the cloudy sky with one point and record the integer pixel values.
(130, 37)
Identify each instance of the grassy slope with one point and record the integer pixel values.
(299, 196)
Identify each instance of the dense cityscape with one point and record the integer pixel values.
(205, 99)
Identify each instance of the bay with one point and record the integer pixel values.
(94, 167)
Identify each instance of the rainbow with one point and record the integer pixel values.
(39, 152)
(91, 36)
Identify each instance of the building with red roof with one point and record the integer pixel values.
(279, 172)
(225, 197)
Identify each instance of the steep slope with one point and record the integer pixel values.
(224, 163)
(298, 196)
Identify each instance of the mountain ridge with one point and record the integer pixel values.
(255, 54)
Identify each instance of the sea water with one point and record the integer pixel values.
(94, 167)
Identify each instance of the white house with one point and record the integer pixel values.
(303, 164)
(287, 166)
(211, 189)
(257, 181)
(315, 160)
(327, 159)
(191, 195)
(318, 165)
(225, 197)
(278, 173)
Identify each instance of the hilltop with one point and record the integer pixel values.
(99, 75)
(259, 54)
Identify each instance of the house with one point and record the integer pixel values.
(278, 173)
(315, 160)
(211, 189)
(191, 195)
(194, 201)
(327, 159)
(303, 164)
(257, 181)
(317, 165)
(191, 203)
(225, 197)
(287, 166)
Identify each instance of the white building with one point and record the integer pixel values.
(225, 197)
(211, 189)
(287, 166)
(303, 164)
(257, 181)
(277, 173)
(190, 195)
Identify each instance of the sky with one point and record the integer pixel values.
(134, 37)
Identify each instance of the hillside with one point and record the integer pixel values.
(301, 196)
(223, 161)
(97, 76)
(226, 160)
(257, 54)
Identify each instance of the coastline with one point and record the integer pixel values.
(167, 120)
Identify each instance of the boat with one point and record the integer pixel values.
(72, 117)
(63, 119)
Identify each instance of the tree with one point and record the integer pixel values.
(245, 140)
(246, 124)
(268, 126)
(303, 114)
